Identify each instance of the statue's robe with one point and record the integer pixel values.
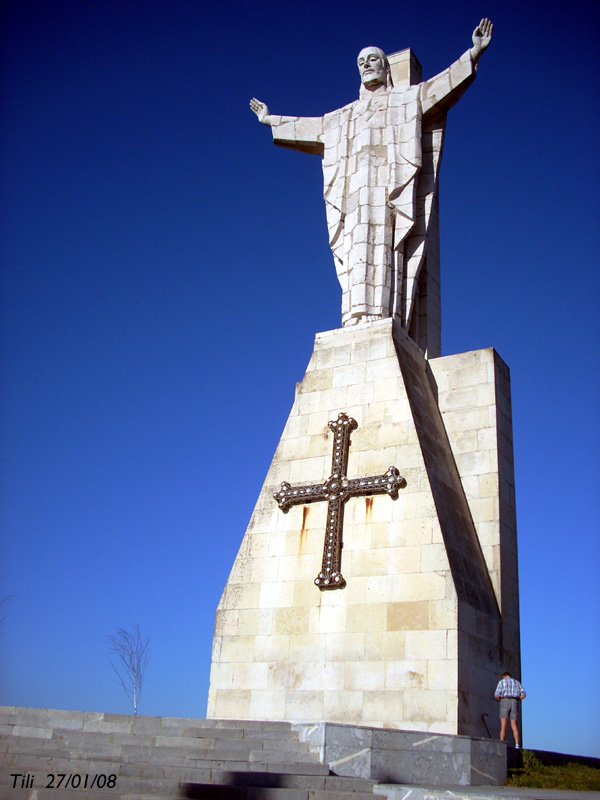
(378, 200)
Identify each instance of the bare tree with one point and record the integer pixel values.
(129, 654)
(4, 601)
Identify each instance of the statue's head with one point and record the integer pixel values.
(374, 68)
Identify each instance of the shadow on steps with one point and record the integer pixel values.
(239, 786)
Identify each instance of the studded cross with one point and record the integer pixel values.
(337, 489)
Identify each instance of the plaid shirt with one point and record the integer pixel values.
(509, 687)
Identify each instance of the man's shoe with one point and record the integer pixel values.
(517, 747)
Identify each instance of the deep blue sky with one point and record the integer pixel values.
(165, 269)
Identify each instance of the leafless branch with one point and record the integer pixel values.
(129, 654)
(4, 601)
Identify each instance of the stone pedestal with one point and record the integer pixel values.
(407, 757)
(429, 617)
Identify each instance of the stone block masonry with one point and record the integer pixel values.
(429, 615)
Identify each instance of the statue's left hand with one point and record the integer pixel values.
(482, 36)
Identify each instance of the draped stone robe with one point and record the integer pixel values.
(377, 213)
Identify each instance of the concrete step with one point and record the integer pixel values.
(162, 757)
(186, 737)
(130, 723)
(18, 750)
(8, 793)
(247, 785)
(146, 728)
(257, 785)
(155, 767)
(252, 743)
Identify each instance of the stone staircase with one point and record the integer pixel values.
(112, 756)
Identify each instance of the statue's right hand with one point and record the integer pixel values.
(482, 36)
(261, 110)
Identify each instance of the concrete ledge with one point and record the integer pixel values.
(406, 757)
(392, 792)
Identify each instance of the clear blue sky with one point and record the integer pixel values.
(165, 269)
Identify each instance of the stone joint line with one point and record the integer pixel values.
(337, 489)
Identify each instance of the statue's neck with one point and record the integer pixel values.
(366, 92)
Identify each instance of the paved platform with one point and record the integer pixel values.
(397, 792)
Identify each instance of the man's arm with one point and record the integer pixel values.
(441, 92)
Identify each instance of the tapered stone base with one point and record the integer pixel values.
(429, 616)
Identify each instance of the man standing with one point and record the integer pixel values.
(508, 693)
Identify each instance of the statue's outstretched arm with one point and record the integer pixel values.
(438, 94)
(298, 133)
(482, 36)
(261, 110)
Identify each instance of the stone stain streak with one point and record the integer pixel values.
(368, 509)
(305, 513)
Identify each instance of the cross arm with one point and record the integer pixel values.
(289, 496)
(389, 483)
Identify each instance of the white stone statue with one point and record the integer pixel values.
(378, 214)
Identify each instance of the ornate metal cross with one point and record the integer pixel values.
(337, 489)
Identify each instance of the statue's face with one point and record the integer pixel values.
(372, 66)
